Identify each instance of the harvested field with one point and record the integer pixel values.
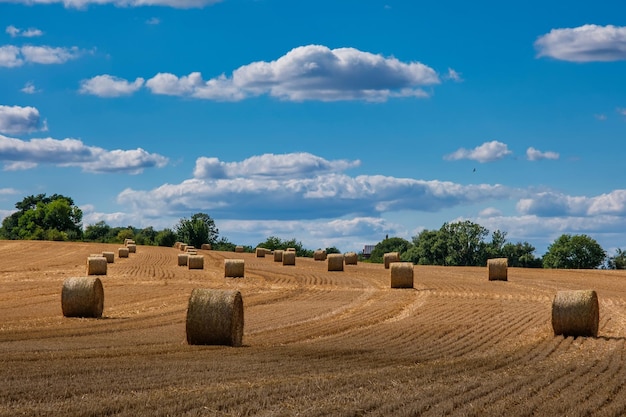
(315, 343)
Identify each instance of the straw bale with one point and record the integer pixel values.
(128, 242)
(195, 261)
(575, 313)
(390, 257)
(319, 255)
(290, 249)
(234, 268)
(401, 274)
(278, 255)
(497, 269)
(182, 259)
(110, 256)
(239, 249)
(82, 297)
(289, 258)
(215, 317)
(132, 248)
(96, 265)
(350, 258)
(335, 262)
(189, 247)
(122, 253)
(260, 252)
(183, 247)
(206, 246)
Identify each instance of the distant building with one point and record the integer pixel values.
(367, 251)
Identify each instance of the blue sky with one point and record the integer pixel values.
(334, 122)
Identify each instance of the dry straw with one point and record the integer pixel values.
(289, 258)
(260, 252)
(401, 274)
(195, 261)
(183, 247)
(278, 255)
(239, 249)
(82, 297)
(182, 259)
(290, 249)
(215, 317)
(110, 256)
(189, 248)
(575, 313)
(390, 257)
(497, 268)
(234, 268)
(132, 248)
(351, 258)
(206, 246)
(128, 242)
(96, 265)
(177, 245)
(192, 252)
(122, 253)
(319, 255)
(335, 262)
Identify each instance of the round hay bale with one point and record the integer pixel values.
(128, 242)
(110, 256)
(206, 246)
(401, 274)
(215, 317)
(132, 248)
(82, 297)
(234, 268)
(192, 252)
(319, 255)
(290, 249)
(350, 258)
(335, 262)
(278, 255)
(183, 247)
(260, 252)
(575, 313)
(289, 258)
(195, 261)
(189, 248)
(497, 269)
(177, 245)
(96, 265)
(122, 253)
(182, 259)
(390, 257)
(239, 249)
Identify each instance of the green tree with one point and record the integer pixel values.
(165, 237)
(391, 244)
(521, 254)
(98, 232)
(197, 230)
(466, 246)
(274, 243)
(574, 252)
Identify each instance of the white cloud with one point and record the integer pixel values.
(490, 212)
(19, 154)
(29, 88)
(487, 152)
(153, 21)
(292, 165)
(81, 4)
(536, 155)
(311, 72)
(554, 204)
(19, 120)
(28, 33)
(453, 75)
(12, 56)
(109, 86)
(587, 43)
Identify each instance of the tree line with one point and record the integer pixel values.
(463, 243)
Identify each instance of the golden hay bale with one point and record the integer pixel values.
(110, 256)
(189, 247)
(177, 245)
(192, 252)
(96, 265)
(350, 258)
(497, 268)
(335, 262)
(128, 242)
(206, 246)
(319, 255)
(289, 258)
(278, 255)
(290, 249)
(182, 259)
(401, 274)
(132, 248)
(390, 257)
(82, 297)
(215, 317)
(195, 261)
(122, 253)
(183, 247)
(260, 252)
(239, 249)
(575, 313)
(234, 268)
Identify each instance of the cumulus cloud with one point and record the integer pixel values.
(109, 86)
(312, 72)
(533, 154)
(19, 154)
(292, 165)
(13, 56)
(487, 152)
(81, 4)
(29, 88)
(553, 204)
(26, 33)
(19, 120)
(587, 43)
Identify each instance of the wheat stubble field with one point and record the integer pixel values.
(316, 343)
